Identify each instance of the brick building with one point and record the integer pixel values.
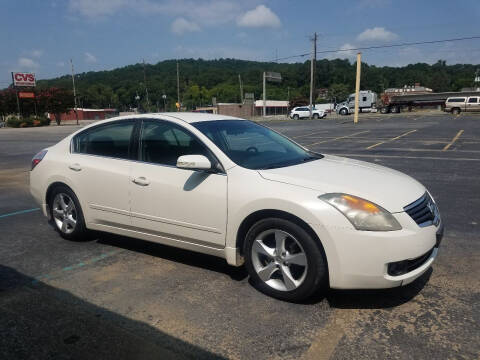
(86, 114)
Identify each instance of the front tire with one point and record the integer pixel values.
(343, 111)
(315, 116)
(284, 261)
(66, 214)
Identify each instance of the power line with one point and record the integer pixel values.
(382, 46)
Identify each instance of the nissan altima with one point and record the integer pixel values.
(300, 221)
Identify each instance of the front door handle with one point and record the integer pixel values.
(75, 167)
(142, 181)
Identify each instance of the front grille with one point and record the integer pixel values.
(423, 211)
(405, 266)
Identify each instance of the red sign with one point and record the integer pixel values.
(26, 95)
(23, 79)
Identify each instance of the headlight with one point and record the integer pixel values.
(363, 214)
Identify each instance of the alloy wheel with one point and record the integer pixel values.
(64, 213)
(279, 260)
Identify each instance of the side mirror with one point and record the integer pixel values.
(194, 162)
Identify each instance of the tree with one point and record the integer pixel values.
(8, 102)
(339, 92)
(55, 101)
(219, 78)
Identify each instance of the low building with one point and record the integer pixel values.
(86, 114)
(235, 109)
(273, 107)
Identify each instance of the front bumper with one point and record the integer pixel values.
(360, 259)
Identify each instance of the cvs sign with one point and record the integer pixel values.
(23, 79)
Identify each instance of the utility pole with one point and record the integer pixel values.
(74, 92)
(241, 89)
(357, 87)
(264, 96)
(313, 62)
(178, 89)
(145, 82)
(16, 92)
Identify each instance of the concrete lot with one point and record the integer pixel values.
(119, 298)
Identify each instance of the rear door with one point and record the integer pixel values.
(304, 112)
(100, 172)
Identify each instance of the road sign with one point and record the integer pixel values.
(273, 76)
(23, 79)
(26, 95)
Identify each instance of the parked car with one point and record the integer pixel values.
(456, 105)
(302, 112)
(235, 189)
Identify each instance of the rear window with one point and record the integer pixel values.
(111, 140)
(456, 100)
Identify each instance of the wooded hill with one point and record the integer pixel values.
(200, 80)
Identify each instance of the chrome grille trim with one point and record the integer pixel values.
(424, 211)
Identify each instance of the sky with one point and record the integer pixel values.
(42, 36)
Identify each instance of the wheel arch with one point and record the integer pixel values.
(52, 187)
(258, 215)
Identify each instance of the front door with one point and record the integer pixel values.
(473, 104)
(179, 204)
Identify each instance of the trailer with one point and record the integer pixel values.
(395, 103)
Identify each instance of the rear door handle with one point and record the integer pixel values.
(75, 167)
(142, 181)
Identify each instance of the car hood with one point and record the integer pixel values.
(386, 187)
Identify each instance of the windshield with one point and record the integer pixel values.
(254, 146)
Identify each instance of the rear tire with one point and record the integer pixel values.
(395, 110)
(455, 111)
(66, 214)
(296, 117)
(284, 261)
(384, 110)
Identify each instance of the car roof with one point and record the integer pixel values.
(191, 117)
(188, 117)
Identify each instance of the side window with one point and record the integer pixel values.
(473, 100)
(364, 98)
(112, 140)
(163, 142)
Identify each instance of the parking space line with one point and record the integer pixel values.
(305, 135)
(393, 139)
(404, 157)
(455, 138)
(19, 212)
(60, 272)
(338, 138)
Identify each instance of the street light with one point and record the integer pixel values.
(137, 97)
(164, 97)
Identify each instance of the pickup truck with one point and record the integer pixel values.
(304, 112)
(457, 104)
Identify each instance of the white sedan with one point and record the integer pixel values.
(299, 220)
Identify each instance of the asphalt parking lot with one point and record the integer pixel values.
(119, 298)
